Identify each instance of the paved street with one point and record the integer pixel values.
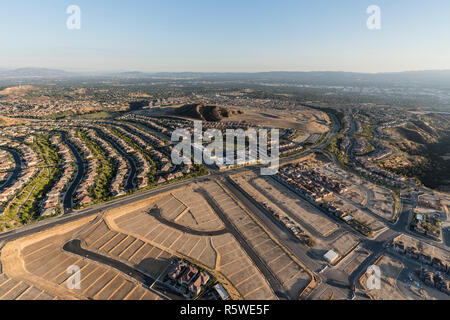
(68, 196)
(74, 246)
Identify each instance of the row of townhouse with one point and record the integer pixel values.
(25, 176)
(54, 197)
(382, 151)
(414, 253)
(141, 163)
(150, 139)
(225, 125)
(156, 149)
(289, 147)
(29, 157)
(312, 180)
(144, 167)
(327, 182)
(370, 171)
(346, 123)
(82, 195)
(6, 162)
(158, 124)
(344, 144)
(358, 127)
(361, 146)
(117, 185)
(4, 176)
(305, 186)
(44, 108)
(316, 193)
(171, 176)
(118, 182)
(435, 280)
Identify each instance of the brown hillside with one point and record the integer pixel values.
(205, 113)
(5, 121)
(16, 91)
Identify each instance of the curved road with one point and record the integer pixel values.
(16, 171)
(129, 185)
(68, 197)
(134, 130)
(259, 263)
(74, 246)
(156, 213)
(91, 211)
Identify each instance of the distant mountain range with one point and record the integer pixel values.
(410, 78)
(326, 77)
(33, 72)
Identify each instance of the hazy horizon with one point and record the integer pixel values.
(82, 71)
(228, 36)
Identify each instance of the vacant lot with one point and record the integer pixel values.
(12, 289)
(425, 248)
(353, 260)
(290, 274)
(40, 261)
(356, 213)
(221, 254)
(382, 202)
(189, 209)
(243, 181)
(299, 210)
(390, 269)
(379, 200)
(345, 243)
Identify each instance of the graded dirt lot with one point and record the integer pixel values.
(345, 243)
(36, 266)
(356, 194)
(221, 254)
(189, 209)
(13, 289)
(382, 202)
(290, 274)
(38, 269)
(330, 294)
(379, 200)
(425, 248)
(390, 270)
(353, 260)
(307, 120)
(301, 211)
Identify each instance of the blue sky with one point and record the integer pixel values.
(226, 35)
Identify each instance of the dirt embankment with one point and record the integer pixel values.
(6, 121)
(14, 265)
(17, 91)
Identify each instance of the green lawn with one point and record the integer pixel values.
(105, 172)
